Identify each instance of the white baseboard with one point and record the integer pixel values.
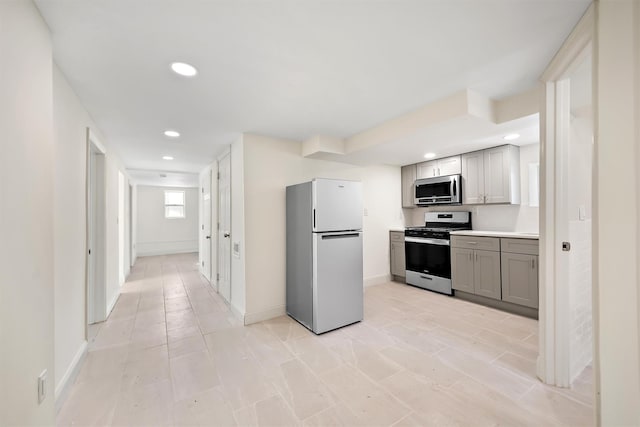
(377, 280)
(113, 303)
(166, 248)
(69, 377)
(259, 316)
(236, 312)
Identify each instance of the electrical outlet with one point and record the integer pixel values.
(42, 386)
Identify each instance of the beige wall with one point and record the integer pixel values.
(616, 214)
(270, 165)
(69, 212)
(26, 223)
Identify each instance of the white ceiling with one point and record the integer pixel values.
(291, 69)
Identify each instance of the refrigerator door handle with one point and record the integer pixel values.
(314, 219)
(339, 235)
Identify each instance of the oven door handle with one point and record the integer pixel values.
(441, 242)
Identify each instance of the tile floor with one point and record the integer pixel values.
(172, 353)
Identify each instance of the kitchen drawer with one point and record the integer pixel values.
(396, 236)
(520, 246)
(472, 242)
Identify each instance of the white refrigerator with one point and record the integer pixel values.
(324, 253)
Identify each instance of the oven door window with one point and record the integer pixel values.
(431, 259)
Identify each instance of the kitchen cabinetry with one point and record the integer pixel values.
(491, 176)
(441, 167)
(520, 271)
(475, 265)
(396, 251)
(408, 186)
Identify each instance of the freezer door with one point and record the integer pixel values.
(337, 205)
(337, 280)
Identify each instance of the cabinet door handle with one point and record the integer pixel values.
(476, 256)
(533, 263)
(438, 171)
(470, 256)
(472, 243)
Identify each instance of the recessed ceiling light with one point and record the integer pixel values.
(429, 155)
(511, 136)
(167, 158)
(184, 69)
(171, 133)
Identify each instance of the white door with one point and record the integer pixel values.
(205, 227)
(224, 229)
(96, 225)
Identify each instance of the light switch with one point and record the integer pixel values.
(366, 212)
(582, 213)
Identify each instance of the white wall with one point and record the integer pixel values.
(70, 147)
(26, 223)
(520, 217)
(269, 166)
(158, 235)
(616, 214)
(238, 291)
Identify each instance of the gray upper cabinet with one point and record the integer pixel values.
(520, 272)
(427, 169)
(473, 178)
(408, 186)
(441, 167)
(491, 176)
(449, 166)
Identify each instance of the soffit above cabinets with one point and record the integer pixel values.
(292, 69)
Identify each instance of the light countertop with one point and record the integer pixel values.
(508, 234)
(398, 229)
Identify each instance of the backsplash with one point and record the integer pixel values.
(485, 217)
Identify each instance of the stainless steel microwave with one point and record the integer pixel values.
(439, 190)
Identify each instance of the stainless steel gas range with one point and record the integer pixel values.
(428, 253)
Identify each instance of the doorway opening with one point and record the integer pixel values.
(567, 155)
(96, 292)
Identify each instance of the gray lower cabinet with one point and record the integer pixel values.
(520, 274)
(462, 270)
(476, 271)
(396, 251)
(487, 274)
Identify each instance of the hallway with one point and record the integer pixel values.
(171, 353)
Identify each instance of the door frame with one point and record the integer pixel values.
(95, 258)
(554, 334)
(219, 235)
(206, 264)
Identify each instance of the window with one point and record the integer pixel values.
(174, 204)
